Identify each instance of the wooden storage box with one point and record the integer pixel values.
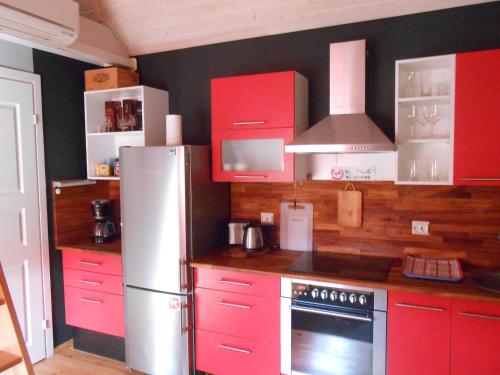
(110, 78)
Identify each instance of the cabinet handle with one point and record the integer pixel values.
(481, 178)
(238, 306)
(250, 176)
(482, 316)
(87, 263)
(249, 123)
(90, 301)
(234, 349)
(90, 282)
(238, 283)
(437, 309)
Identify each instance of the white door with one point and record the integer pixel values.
(23, 239)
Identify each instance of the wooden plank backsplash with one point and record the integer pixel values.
(464, 220)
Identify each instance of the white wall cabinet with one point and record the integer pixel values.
(425, 107)
(103, 146)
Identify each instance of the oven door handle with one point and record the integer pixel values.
(331, 313)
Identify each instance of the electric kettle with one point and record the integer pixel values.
(253, 240)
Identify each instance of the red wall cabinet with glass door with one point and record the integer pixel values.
(477, 118)
(253, 118)
(418, 334)
(475, 338)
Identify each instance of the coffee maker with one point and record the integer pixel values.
(104, 229)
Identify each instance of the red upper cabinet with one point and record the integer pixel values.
(418, 335)
(477, 118)
(253, 118)
(258, 101)
(475, 338)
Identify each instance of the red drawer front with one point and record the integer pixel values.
(228, 355)
(239, 282)
(239, 315)
(95, 311)
(475, 338)
(98, 282)
(254, 101)
(101, 263)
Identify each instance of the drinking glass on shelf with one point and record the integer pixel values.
(434, 170)
(426, 84)
(422, 119)
(443, 88)
(412, 87)
(432, 116)
(412, 119)
(412, 171)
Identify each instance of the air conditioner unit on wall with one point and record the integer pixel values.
(54, 23)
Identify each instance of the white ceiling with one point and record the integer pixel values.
(149, 26)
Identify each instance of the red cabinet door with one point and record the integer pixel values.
(418, 334)
(228, 355)
(475, 338)
(252, 155)
(477, 118)
(256, 101)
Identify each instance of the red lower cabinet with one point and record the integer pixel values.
(228, 355)
(475, 338)
(418, 337)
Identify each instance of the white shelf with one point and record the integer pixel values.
(434, 98)
(114, 134)
(425, 140)
(113, 178)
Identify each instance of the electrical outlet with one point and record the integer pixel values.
(420, 228)
(267, 218)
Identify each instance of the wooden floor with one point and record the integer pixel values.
(67, 360)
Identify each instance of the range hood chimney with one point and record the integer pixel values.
(348, 129)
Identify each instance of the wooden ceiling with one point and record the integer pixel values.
(147, 26)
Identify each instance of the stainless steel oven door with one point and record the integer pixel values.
(332, 342)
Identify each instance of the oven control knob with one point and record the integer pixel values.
(362, 300)
(343, 297)
(333, 296)
(324, 294)
(352, 298)
(315, 293)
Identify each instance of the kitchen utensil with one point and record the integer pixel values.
(432, 116)
(412, 87)
(412, 171)
(236, 230)
(432, 268)
(253, 239)
(349, 207)
(104, 229)
(296, 225)
(434, 170)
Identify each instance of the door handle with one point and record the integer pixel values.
(88, 300)
(236, 305)
(238, 283)
(245, 351)
(409, 306)
(91, 264)
(249, 123)
(481, 316)
(250, 176)
(331, 313)
(90, 282)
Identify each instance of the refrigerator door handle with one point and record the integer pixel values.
(184, 319)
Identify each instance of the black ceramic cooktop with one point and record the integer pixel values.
(343, 265)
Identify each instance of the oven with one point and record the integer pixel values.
(332, 329)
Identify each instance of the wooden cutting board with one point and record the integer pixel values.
(349, 208)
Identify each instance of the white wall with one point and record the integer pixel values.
(16, 56)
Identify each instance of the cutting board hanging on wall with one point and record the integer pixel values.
(296, 226)
(349, 207)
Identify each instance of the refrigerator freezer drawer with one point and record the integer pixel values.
(95, 311)
(157, 336)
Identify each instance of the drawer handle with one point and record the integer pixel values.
(90, 282)
(238, 306)
(238, 283)
(91, 264)
(234, 349)
(481, 178)
(88, 300)
(255, 176)
(437, 309)
(482, 316)
(249, 123)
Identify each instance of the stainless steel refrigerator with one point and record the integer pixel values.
(171, 212)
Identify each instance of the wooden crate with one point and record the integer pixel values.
(109, 78)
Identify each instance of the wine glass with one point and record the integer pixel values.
(412, 119)
(411, 84)
(432, 116)
(422, 119)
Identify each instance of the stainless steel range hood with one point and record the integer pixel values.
(348, 129)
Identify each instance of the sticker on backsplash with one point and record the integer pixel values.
(354, 173)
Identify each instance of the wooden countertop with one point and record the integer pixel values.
(277, 262)
(86, 245)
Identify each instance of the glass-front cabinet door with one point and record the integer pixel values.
(252, 156)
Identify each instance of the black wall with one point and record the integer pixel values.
(64, 141)
(187, 73)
